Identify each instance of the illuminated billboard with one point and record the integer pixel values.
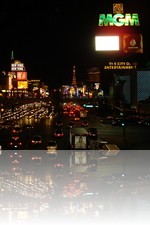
(22, 75)
(132, 43)
(22, 84)
(34, 83)
(107, 43)
(9, 83)
(118, 18)
(118, 23)
(80, 142)
(17, 66)
(120, 66)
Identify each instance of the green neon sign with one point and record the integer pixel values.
(119, 20)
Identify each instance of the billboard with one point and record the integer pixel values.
(80, 142)
(17, 66)
(22, 84)
(107, 43)
(133, 43)
(21, 75)
(34, 83)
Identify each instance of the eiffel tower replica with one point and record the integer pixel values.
(74, 81)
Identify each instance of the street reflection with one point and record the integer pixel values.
(51, 191)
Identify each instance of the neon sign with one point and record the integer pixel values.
(119, 20)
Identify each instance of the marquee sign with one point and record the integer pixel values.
(120, 66)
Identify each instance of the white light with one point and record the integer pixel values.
(107, 43)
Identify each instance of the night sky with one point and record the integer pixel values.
(51, 37)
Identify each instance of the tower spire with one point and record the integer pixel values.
(12, 55)
(74, 81)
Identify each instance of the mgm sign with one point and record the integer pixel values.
(118, 18)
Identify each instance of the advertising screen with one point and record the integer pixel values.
(17, 66)
(107, 43)
(132, 43)
(34, 83)
(22, 75)
(80, 142)
(22, 84)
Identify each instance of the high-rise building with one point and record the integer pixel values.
(143, 88)
(136, 86)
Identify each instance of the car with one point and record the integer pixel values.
(52, 145)
(59, 123)
(84, 123)
(107, 120)
(118, 122)
(15, 143)
(16, 129)
(92, 132)
(59, 133)
(36, 140)
(76, 118)
(8, 124)
(70, 125)
(100, 143)
(28, 127)
(147, 123)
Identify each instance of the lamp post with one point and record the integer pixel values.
(121, 84)
(119, 102)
